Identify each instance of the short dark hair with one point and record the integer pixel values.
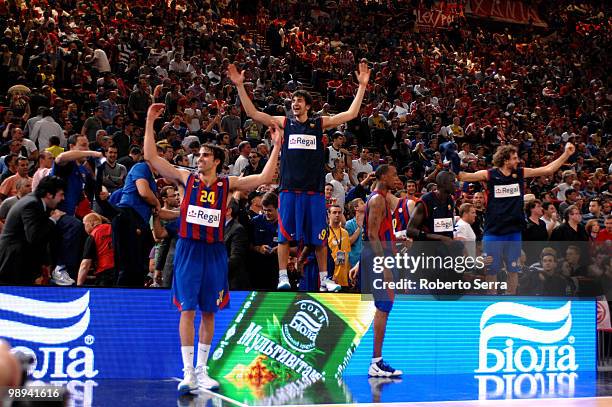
(54, 141)
(546, 204)
(334, 206)
(49, 185)
(135, 150)
(530, 205)
(164, 191)
(569, 191)
(218, 154)
(382, 170)
(242, 145)
(301, 93)
(270, 199)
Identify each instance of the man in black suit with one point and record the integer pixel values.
(28, 231)
(237, 243)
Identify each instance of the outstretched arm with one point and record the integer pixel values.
(74, 155)
(238, 79)
(251, 182)
(159, 164)
(472, 176)
(363, 76)
(554, 166)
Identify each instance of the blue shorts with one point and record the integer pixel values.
(302, 216)
(200, 276)
(310, 281)
(383, 298)
(503, 248)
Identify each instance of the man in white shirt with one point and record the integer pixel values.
(361, 165)
(463, 228)
(177, 64)
(242, 162)
(193, 116)
(335, 151)
(339, 192)
(46, 128)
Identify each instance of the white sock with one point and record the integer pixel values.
(282, 273)
(203, 350)
(322, 275)
(187, 353)
(376, 360)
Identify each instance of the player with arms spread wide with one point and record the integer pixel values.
(504, 216)
(302, 171)
(200, 262)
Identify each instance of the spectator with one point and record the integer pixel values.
(27, 233)
(242, 162)
(264, 244)
(73, 168)
(98, 253)
(237, 244)
(46, 128)
(231, 124)
(111, 174)
(23, 187)
(595, 213)
(571, 230)
(571, 197)
(339, 193)
(93, 124)
(54, 147)
(256, 164)
(545, 281)
(133, 158)
(463, 228)
(166, 231)
(9, 186)
(339, 243)
(132, 237)
(605, 234)
(534, 230)
(361, 165)
(354, 228)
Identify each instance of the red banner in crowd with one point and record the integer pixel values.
(434, 18)
(510, 11)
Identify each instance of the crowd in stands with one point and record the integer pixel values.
(77, 78)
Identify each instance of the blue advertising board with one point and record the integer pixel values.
(95, 333)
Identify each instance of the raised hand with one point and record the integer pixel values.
(570, 148)
(363, 75)
(236, 77)
(277, 135)
(155, 111)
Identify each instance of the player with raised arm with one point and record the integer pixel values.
(200, 262)
(504, 216)
(302, 212)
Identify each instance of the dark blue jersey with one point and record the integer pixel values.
(439, 216)
(504, 202)
(302, 166)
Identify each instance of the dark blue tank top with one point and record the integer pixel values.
(302, 164)
(439, 216)
(505, 194)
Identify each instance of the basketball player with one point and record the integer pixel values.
(200, 261)
(434, 214)
(302, 171)
(401, 215)
(378, 231)
(504, 217)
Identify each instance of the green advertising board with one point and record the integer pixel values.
(289, 341)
